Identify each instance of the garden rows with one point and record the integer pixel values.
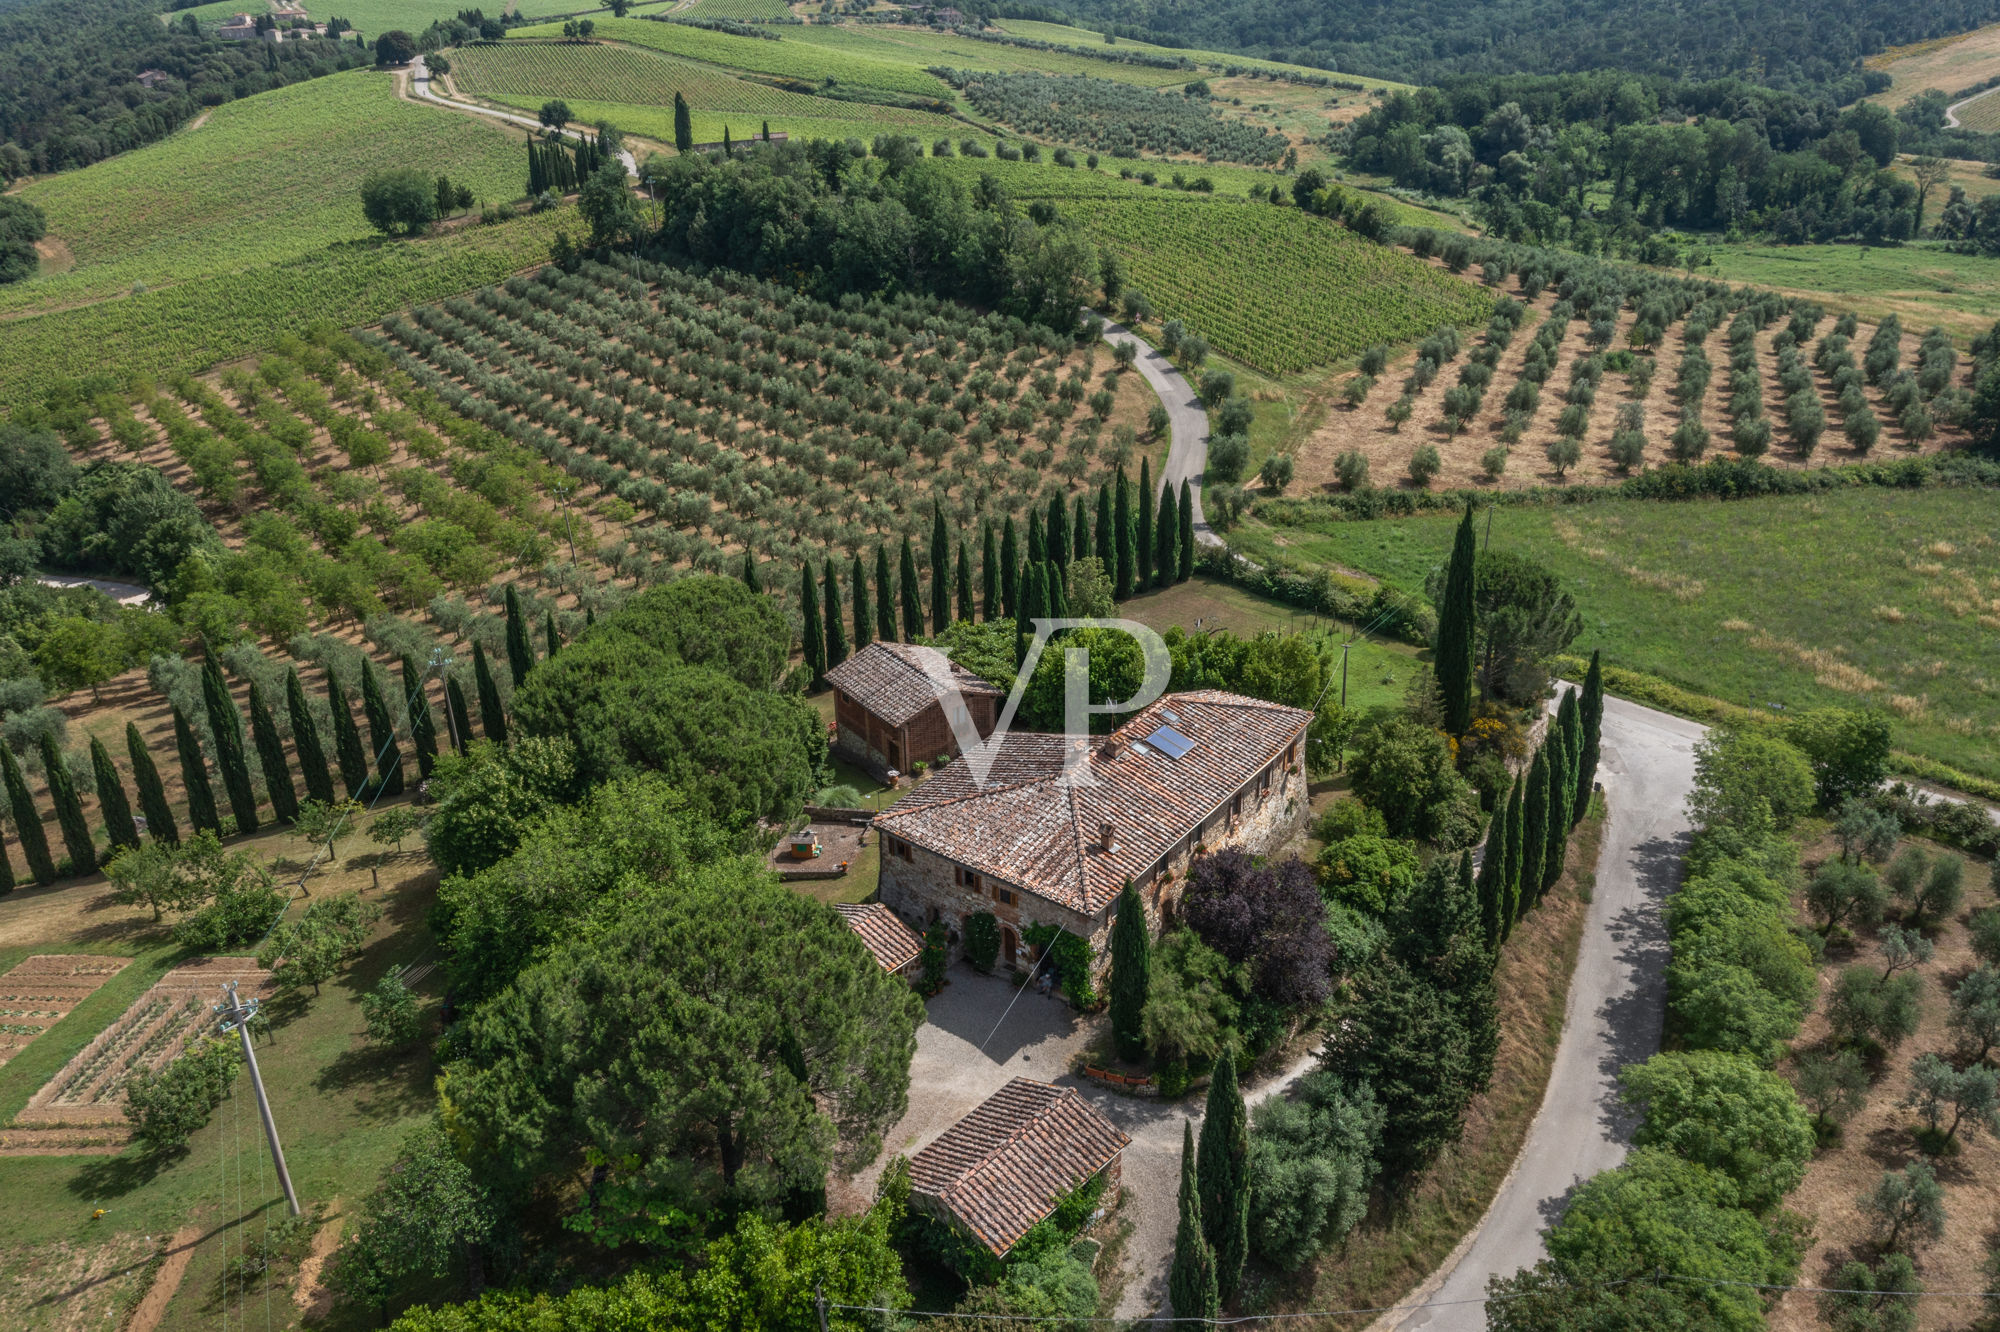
(40, 991)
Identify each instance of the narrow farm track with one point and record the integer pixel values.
(1188, 455)
(1617, 1003)
(420, 87)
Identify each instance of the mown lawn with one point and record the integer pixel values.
(1885, 598)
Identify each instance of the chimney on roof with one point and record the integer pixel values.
(1107, 837)
(1109, 749)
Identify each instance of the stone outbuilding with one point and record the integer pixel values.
(892, 711)
(1005, 1167)
(1191, 774)
(895, 945)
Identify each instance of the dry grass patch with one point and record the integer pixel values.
(70, 1286)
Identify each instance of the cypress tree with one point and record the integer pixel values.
(1511, 872)
(1534, 830)
(160, 824)
(1121, 517)
(492, 717)
(1570, 722)
(456, 714)
(423, 729)
(225, 724)
(520, 652)
(836, 628)
(1058, 532)
(1033, 607)
(1107, 533)
(6, 870)
(69, 808)
(382, 741)
(750, 571)
(1166, 536)
(551, 642)
(112, 805)
(864, 618)
(1590, 709)
(913, 602)
(966, 610)
(1453, 664)
(1142, 540)
(1058, 591)
(305, 740)
(194, 776)
(989, 573)
(683, 125)
(1558, 816)
(1191, 1279)
(271, 758)
(1186, 543)
(1038, 545)
(1131, 973)
(1010, 569)
(1222, 1174)
(1492, 876)
(885, 597)
(28, 820)
(813, 636)
(940, 572)
(1079, 537)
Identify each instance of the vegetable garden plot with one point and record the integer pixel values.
(41, 990)
(149, 1034)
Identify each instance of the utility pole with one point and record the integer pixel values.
(562, 489)
(1343, 674)
(819, 1304)
(438, 665)
(236, 1013)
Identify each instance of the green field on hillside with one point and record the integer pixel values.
(1084, 39)
(790, 57)
(1881, 597)
(921, 47)
(264, 180)
(1923, 284)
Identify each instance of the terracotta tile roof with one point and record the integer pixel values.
(894, 944)
(1029, 828)
(1006, 1165)
(893, 680)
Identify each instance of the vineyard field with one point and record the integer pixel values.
(739, 9)
(1274, 287)
(789, 57)
(1083, 40)
(922, 47)
(840, 120)
(266, 179)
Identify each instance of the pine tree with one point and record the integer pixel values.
(1142, 539)
(913, 602)
(382, 742)
(864, 618)
(1222, 1174)
(1492, 874)
(492, 717)
(1511, 872)
(1107, 532)
(423, 729)
(457, 715)
(112, 805)
(27, 820)
(940, 572)
(1166, 536)
(271, 758)
(1057, 529)
(1453, 664)
(69, 808)
(1010, 569)
(1123, 572)
(1186, 543)
(683, 125)
(520, 652)
(836, 626)
(813, 636)
(159, 815)
(885, 598)
(194, 777)
(1191, 1279)
(750, 571)
(1591, 714)
(1131, 973)
(989, 573)
(1079, 536)
(963, 581)
(1559, 799)
(1534, 830)
(306, 741)
(1038, 545)
(225, 726)
(551, 641)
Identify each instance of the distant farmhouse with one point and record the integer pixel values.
(891, 713)
(1191, 774)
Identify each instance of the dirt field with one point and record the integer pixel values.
(1389, 450)
(1948, 64)
(1879, 1139)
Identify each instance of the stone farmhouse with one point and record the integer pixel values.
(1000, 1170)
(891, 714)
(1191, 774)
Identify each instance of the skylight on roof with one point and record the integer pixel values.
(1170, 742)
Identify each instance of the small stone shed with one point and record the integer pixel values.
(892, 709)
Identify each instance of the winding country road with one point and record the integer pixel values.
(1188, 454)
(1617, 1002)
(420, 86)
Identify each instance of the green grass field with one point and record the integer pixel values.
(1923, 284)
(264, 180)
(921, 47)
(1887, 598)
(1084, 39)
(790, 57)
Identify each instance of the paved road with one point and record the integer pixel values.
(1188, 454)
(1951, 112)
(1617, 1001)
(420, 86)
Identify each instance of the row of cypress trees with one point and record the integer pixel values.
(1140, 546)
(350, 758)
